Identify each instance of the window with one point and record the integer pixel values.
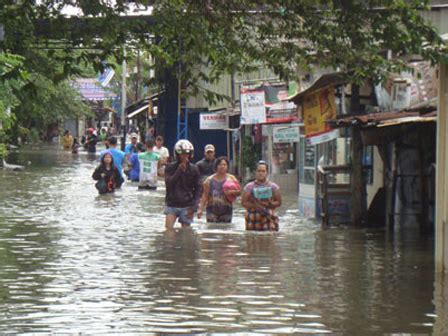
(307, 165)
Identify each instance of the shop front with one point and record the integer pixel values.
(319, 144)
(333, 152)
(280, 148)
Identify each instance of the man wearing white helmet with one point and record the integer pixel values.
(182, 186)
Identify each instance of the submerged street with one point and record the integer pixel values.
(74, 262)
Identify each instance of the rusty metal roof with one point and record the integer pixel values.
(384, 119)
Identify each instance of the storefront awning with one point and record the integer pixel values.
(138, 111)
(144, 101)
(281, 120)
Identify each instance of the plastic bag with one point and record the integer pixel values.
(101, 186)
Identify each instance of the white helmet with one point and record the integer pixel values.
(184, 147)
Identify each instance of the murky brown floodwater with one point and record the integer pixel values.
(77, 263)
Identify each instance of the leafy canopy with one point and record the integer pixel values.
(230, 36)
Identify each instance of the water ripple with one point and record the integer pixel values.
(74, 262)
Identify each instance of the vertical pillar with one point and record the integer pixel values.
(123, 101)
(441, 253)
(391, 180)
(441, 304)
(357, 183)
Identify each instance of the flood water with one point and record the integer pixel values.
(74, 262)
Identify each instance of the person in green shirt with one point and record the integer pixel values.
(103, 134)
(149, 166)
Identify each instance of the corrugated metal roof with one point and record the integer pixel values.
(384, 119)
(144, 101)
(138, 111)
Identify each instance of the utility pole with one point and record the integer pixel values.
(123, 101)
(229, 132)
(137, 79)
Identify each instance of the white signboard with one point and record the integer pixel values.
(212, 121)
(323, 137)
(253, 110)
(287, 133)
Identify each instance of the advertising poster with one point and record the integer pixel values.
(289, 133)
(212, 121)
(319, 107)
(253, 110)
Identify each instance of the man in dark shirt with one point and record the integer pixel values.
(91, 141)
(182, 186)
(207, 164)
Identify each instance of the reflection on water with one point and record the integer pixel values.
(75, 262)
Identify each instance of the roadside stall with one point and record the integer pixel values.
(319, 144)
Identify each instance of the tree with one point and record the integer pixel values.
(232, 35)
(45, 102)
(12, 79)
(33, 96)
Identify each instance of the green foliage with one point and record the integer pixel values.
(23, 133)
(249, 155)
(44, 102)
(33, 82)
(11, 67)
(3, 151)
(34, 136)
(290, 35)
(202, 40)
(12, 78)
(34, 97)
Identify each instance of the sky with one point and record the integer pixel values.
(134, 10)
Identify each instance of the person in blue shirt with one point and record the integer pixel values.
(134, 172)
(117, 155)
(131, 147)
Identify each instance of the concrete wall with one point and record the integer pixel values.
(437, 17)
(224, 87)
(72, 126)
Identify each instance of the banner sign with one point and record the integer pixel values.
(319, 107)
(212, 121)
(287, 133)
(253, 110)
(323, 137)
(276, 102)
(105, 77)
(91, 89)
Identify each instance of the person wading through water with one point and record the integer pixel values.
(117, 154)
(216, 198)
(149, 163)
(260, 198)
(182, 186)
(207, 164)
(107, 175)
(91, 141)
